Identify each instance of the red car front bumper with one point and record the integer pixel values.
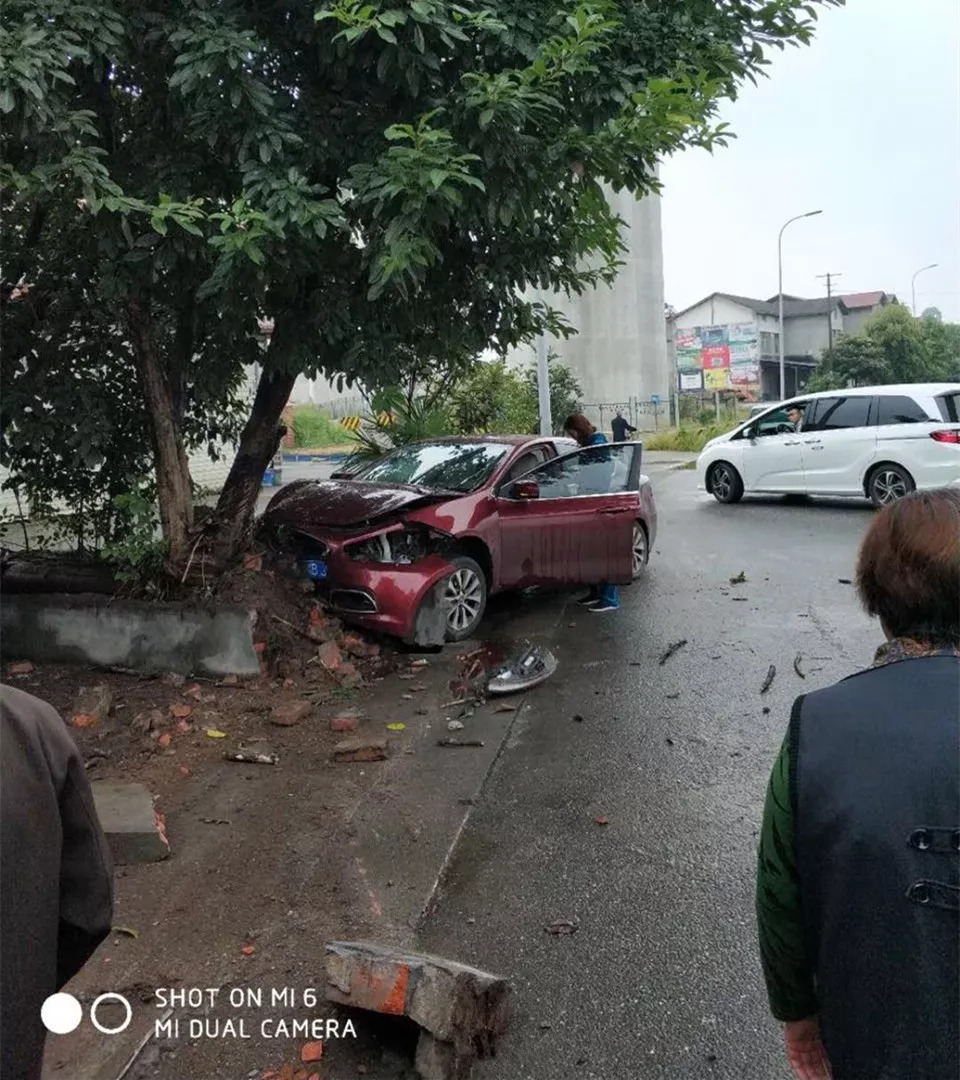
(382, 597)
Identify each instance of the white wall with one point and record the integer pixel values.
(620, 351)
(717, 311)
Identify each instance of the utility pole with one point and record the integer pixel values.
(829, 277)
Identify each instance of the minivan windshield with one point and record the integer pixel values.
(446, 466)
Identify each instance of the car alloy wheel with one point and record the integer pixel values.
(639, 549)
(464, 597)
(889, 485)
(725, 483)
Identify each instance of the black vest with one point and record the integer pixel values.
(877, 790)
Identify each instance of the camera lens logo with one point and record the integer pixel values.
(62, 1013)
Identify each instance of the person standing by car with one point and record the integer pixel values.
(858, 880)
(56, 876)
(603, 597)
(620, 427)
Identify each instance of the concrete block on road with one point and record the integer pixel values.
(131, 825)
(457, 1004)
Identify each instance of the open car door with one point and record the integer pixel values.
(570, 521)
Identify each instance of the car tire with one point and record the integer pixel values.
(641, 549)
(725, 483)
(889, 483)
(465, 597)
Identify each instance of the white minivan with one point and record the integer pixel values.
(874, 441)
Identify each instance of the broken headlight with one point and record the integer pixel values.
(400, 547)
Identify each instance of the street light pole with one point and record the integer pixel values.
(783, 378)
(913, 287)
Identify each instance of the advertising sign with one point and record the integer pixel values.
(720, 357)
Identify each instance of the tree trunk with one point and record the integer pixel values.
(258, 443)
(174, 492)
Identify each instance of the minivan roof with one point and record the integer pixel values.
(924, 389)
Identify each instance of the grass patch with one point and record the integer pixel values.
(687, 465)
(687, 439)
(312, 428)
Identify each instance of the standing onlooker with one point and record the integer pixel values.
(56, 879)
(620, 427)
(602, 597)
(858, 881)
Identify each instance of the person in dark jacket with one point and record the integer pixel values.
(858, 880)
(56, 876)
(603, 597)
(620, 427)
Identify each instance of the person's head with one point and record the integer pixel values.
(794, 414)
(908, 571)
(578, 427)
(619, 415)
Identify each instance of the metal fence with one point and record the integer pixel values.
(645, 414)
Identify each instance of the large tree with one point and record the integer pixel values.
(892, 347)
(376, 178)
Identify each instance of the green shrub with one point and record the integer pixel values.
(691, 440)
(312, 428)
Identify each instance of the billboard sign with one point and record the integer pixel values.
(723, 357)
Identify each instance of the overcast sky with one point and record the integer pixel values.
(864, 124)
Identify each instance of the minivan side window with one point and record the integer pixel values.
(949, 406)
(836, 414)
(898, 409)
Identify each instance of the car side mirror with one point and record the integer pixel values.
(750, 432)
(525, 489)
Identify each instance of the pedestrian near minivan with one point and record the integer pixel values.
(620, 427)
(858, 877)
(603, 597)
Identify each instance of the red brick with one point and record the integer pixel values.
(288, 713)
(312, 1051)
(345, 722)
(23, 668)
(361, 750)
(330, 656)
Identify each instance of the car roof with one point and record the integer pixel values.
(507, 440)
(908, 389)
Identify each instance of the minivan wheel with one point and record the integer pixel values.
(888, 483)
(725, 483)
(465, 598)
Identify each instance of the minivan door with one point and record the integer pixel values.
(839, 443)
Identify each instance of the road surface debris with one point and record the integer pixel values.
(768, 681)
(671, 649)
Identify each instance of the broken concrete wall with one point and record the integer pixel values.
(142, 636)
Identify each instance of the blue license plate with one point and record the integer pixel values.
(316, 569)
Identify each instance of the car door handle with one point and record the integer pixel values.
(791, 442)
(813, 442)
(611, 511)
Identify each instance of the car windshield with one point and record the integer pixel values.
(444, 466)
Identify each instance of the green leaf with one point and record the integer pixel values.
(386, 34)
(485, 117)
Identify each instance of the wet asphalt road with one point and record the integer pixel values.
(661, 978)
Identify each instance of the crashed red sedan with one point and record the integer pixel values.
(413, 543)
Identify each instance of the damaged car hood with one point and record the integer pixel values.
(308, 504)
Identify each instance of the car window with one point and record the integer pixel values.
(447, 466)
(528, 460)
(775, 423)
(949, 406)
(900, 409)
(836, 414)
(595, 470)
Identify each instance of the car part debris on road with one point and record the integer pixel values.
(562, 927)
(459, 742)
(248, 757)
(768, 681)
(796, 666)
(671, 649)
(528, 669)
